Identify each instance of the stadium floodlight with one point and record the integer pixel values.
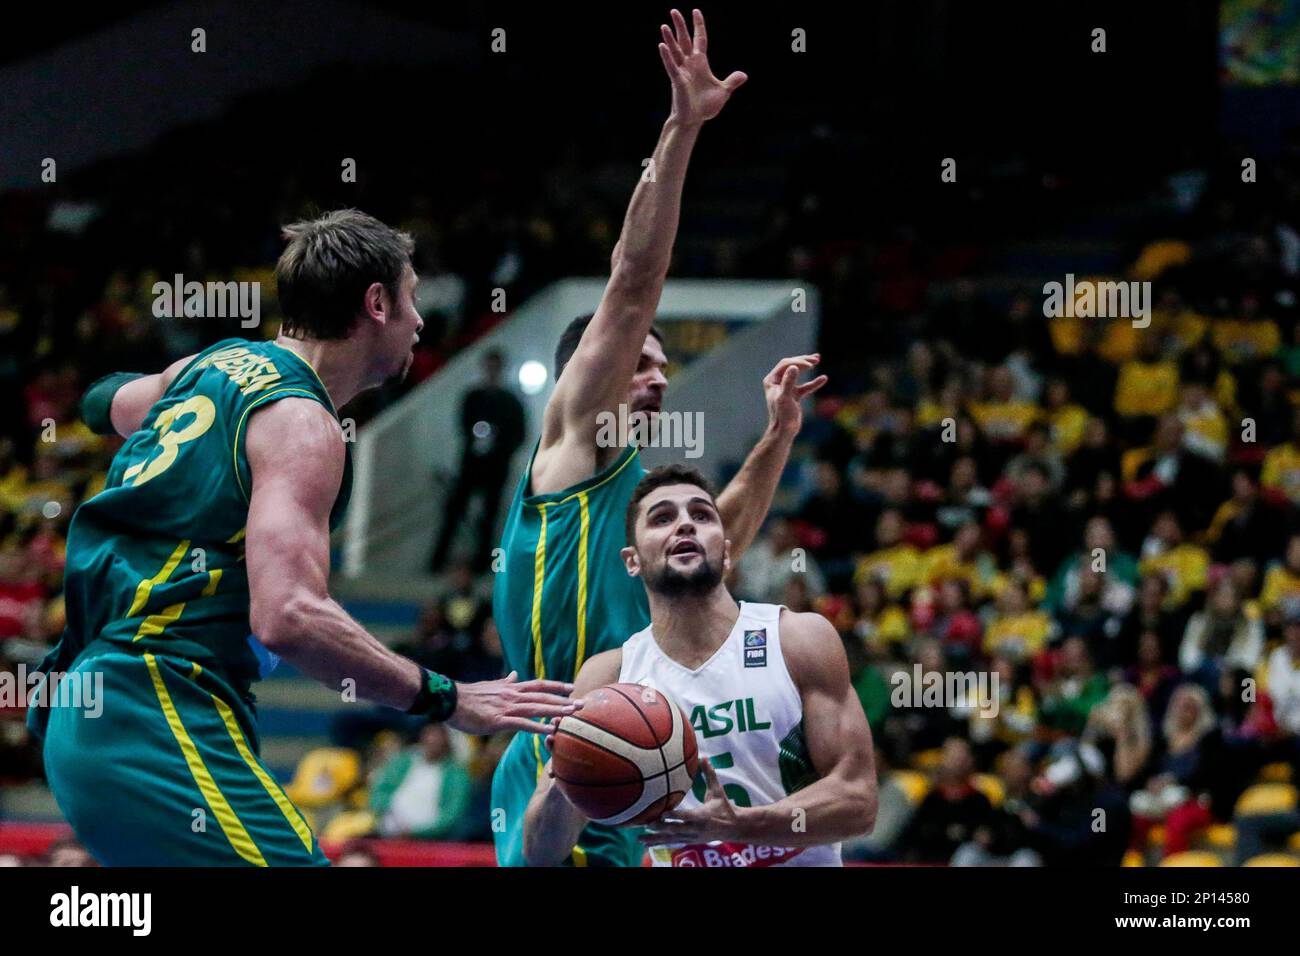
(532, 377)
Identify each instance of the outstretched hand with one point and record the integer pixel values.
(698, 95)
(784, 393)
(489, 706)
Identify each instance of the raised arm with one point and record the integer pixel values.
(744, 503)
(551, 823)
(842, 802)
(295, 450)
(597, 376)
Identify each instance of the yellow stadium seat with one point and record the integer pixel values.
(1261, 798)
(927, 760)
(324, 776)
(1275, 773)
(914, 783)
(1133, 858)
(1219, 836)
(1192, 858)
(991, 787)
(349, 825)
(1272, 859)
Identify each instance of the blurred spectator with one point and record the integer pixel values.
(421, 792)
(491, 429)
(952, 812)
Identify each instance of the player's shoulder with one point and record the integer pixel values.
(295, 430)
(812, 648)
(599, 670)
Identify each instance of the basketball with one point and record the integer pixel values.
(627, 757)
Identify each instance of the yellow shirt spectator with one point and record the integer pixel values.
(897, 568)
(1280, 586)
(1146, 388)
(1281, 471)
(1023, 635)
(1186, 568)
(1004, 420)
(1242, 340)
(1068, 423)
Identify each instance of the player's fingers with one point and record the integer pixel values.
(560, 700)
(711, 778)
(541, 686)
(683, 35)
(809, 387)
(669, 65)
(538, 710)
(735, 81)
(670, 43)
(525, 725)
(701, 34)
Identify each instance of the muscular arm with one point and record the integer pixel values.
(551, 823)
(744, 503)
(296, 454)
(843, 802)
(295, 450)
(596, 378)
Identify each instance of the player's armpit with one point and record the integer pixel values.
(552, 824)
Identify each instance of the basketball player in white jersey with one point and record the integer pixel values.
(789, 770)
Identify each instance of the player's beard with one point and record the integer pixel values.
(671, 583)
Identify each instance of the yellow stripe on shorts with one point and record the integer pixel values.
(234, 830)
(272, 788)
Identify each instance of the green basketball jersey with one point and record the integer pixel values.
(563, 593)
(155, 561)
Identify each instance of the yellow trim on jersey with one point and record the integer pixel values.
(155, 624)
(311, 368)
(584, 491)
(539, 580)
(234, 830)
(272, 788)
(145, 587)
(582, 586)
(239, 427)
(579, 856)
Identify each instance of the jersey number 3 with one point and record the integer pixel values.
(170, 439)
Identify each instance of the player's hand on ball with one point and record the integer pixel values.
(490, 706)
(715, 818)
(698, 95)
(784, 393)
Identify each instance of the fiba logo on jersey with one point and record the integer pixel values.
(756, 648)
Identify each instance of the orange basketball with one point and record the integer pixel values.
(627, 757)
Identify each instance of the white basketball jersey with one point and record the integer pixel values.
(748, 720)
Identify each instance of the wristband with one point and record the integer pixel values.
(97, 402)
(436, 698)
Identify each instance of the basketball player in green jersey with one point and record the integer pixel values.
(562, 594)
(214, 522)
